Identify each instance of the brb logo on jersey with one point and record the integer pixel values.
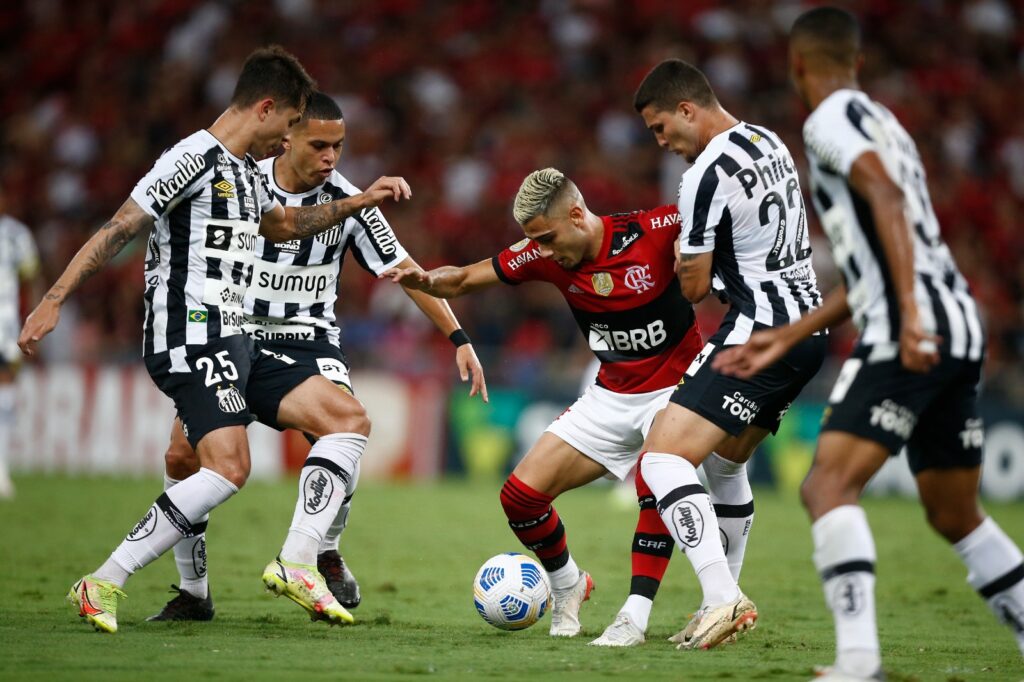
(646, 338)
(163, 191)
(638, 278)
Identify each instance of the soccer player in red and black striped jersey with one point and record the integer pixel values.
(617, 273)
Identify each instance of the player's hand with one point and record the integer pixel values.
(40, 323)
(919, 351)
(410, 278)
(385, 188)
(763, 349)
(465, 358)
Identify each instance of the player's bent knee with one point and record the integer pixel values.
(180, 463)
(953, 524)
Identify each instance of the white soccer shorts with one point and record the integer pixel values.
(610, 427)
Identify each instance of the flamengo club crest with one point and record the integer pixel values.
(638, 278)
(602, 283)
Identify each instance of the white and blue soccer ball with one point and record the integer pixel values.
(511, 591)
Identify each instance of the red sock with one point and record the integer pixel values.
(535, 522)
(652, 544)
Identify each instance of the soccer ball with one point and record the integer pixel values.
(511, 591)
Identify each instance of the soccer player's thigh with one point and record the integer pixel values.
(208, 388)
(598, 434)
(870, 415)
(945, 454)
(180, 460)
(288, 390)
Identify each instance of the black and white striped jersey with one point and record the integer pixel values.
(19, 260)
(295, 284)
(846, 125)
(207, 205)
(741, 199)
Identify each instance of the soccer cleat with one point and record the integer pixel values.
(622, 632)
(186, 606)
(565, 607)
(306, 587)
(96, 601)
(830, 674)
(684, 637)
(340, 580)
(716, 624)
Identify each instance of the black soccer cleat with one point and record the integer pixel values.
(340, 580)
(186, 606)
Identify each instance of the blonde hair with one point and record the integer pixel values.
(540, 189)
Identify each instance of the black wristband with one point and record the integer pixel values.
(459, 338)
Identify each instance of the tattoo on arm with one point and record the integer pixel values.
(101, 247)
(687, 257)
(310, 220)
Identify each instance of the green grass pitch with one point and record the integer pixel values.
(415, 550)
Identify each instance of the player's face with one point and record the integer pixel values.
(560, 237)
(674, 130)
(275, 122)
(313, 148)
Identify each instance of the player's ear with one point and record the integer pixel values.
(687, 110)
(264, 108)
(286, 142)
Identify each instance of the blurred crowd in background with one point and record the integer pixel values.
(464, 99)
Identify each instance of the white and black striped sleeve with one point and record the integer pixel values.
(376, 246)
(703, 204)
(839, 131)
(175, 176)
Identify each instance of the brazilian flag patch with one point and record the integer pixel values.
(197, 316)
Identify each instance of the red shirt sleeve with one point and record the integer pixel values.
(520, 262)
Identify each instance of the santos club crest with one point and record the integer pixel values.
(230, 400)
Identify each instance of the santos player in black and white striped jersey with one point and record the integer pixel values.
(19, 264)
(206, 202)
(913, 377)
(744, 222)
(289, 310)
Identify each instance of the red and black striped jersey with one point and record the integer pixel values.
(627, 301)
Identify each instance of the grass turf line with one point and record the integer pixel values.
(415, 550)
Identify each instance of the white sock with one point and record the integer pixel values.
(171, 518)
(190, 554)
(333, 535)
(322, 484)
(733, 502)
(565, 577)
(844, 554)
(685, 508)
(638, 609)
(996, 570)
(7, 407)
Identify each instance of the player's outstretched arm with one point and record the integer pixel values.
(447, 281)
(868, 177)
(108, 241)
(298, 222)
(440, 313)
(766, 347)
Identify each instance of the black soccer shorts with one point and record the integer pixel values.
(207, 384)
(934, 414)
(299, 360)
(733, 404)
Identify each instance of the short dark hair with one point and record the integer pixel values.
(832, 32)
(671, 82)
(321, 107)
(273, 72)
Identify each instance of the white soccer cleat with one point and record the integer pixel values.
(622, 632)
(685, 636)
(830, 674)
(717, 624)
(565, 607)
